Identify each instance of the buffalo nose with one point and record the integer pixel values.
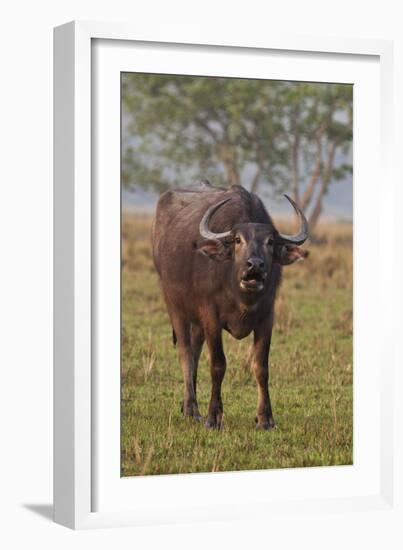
(255, 263)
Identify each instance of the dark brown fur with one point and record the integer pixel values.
(200, 282)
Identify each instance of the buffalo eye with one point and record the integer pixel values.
(238, 240)
(270, 241)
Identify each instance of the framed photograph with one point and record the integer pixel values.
(223, 339)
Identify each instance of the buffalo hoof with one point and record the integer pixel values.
(213, 425)
(265, 424)
(214, 421)
(191, 410)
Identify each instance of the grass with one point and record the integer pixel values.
(310, 373)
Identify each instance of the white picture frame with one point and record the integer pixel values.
(87, 491)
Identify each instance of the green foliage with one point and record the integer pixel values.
(180, 128)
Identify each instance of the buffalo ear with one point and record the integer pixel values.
(290, 253)
(214, 249)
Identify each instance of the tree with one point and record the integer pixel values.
(319, 137)
(267, 135)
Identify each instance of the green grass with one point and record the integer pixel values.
(310, 374)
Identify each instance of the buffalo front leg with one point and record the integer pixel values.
(262, 338)
(217, 370)
(189, 367)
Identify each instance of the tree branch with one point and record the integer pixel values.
(204, 125)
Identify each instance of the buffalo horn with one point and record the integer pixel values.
(203, 227)
(303, 234)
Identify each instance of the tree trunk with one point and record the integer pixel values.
(228, 157)
(255, 181)
(295, 155)
(315, 214)
(325, 180)
(232, 173)
(307, 196)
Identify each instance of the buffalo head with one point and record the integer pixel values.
(252, 247)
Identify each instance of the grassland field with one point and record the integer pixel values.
(311, 370)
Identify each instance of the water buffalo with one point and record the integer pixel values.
(219, 258)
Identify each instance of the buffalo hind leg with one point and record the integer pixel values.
(197, 341)
(262, 338)
(186, 358)
(217, 370)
